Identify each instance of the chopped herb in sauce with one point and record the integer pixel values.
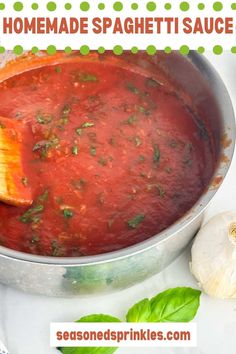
(187, 161)
(79, 131)
(112, 141)
(58, 69)
(102, 161)
(131, 120)
(87, 125)
(93, 151)
(43, 197)
(56, 249)
(161, 191)
(168, 169)
(44, 118)
(156, 153)
(141, 159)
(134, 223)
(138, 141)
(157, 187)
(59, 200)
(132, 88)
(93, 98)
(85, 77)
(39, 145)
(32, 214)
(35, 239)
(2, 126)
(79, 184)
(64, 119)
(44, 146)
(68, 213)
(143, 174)
(143, 110)
(75, 150)
(81, 76)
(66, 109)
(25, 181)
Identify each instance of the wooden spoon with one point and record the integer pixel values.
(13, 187)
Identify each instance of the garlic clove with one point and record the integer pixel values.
(213, 256)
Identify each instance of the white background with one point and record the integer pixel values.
(25, 318)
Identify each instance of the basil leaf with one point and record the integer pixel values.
(87, 125)
(57, 249)
(44, 118)
(92, 350)
(84, 77)
(79, 131)
(156, 153)
(134, 223)
(140, 312)
(43, 197)
(66, 109)
(133, 89)
(93, 150)
(131, 120)
(75, 150)
(68, 213)
(175, 305)
(58, 69)
(98, 318)
(88, 350)
(29, 216)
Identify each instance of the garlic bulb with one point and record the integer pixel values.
(214, 256)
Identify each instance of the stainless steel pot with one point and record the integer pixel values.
(116, 270)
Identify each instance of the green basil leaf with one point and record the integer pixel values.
(68, 213)
(84, 77)
(87, 125)
(140, 312)
(44, 118)
(156, 153)
(88, 350)
(98, 318)
(32, 214)
(134, 223)
(43, 197)
(175, 305)
(92, 350)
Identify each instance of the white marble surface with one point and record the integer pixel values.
(25, 318)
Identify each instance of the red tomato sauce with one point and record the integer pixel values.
(113, 157)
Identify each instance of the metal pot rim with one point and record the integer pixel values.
(199, 62)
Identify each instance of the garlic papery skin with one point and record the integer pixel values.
(213, 256)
